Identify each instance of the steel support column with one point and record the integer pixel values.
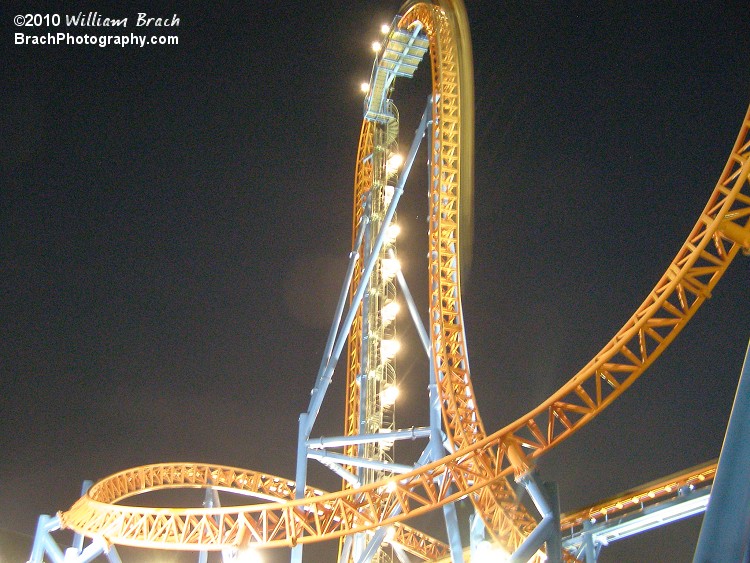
(544, 530)
(725, 532)
(437, 450)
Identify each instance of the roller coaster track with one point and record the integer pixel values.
(480, 464)
(666, 488)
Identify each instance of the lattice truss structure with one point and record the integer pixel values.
(478, 464)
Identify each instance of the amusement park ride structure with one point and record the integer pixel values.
(460, 458)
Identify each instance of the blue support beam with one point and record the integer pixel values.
(340, 329)
(541, 533)
(725, 532)
(373, 545)
(588, 542)
(437, 451)
(546, 532)
(554, 540)
(413, 311)
(324, 378)
(45, 544)
(590, 549)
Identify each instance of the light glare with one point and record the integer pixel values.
(393, 163)
(390, 311)
(392, 232)
(488, 553)
(388, 348)
(388, 192)
(389, 395)
(389, 267)
(248, 555)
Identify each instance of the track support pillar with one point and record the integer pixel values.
(725, 532)
(590, 549)
(547, 531)
(437, 450)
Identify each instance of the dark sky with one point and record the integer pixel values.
(174, 224)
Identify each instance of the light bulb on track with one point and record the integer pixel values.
(385, 28)
(364, 87)
(376, 46)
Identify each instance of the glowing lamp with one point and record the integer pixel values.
(393, 163)
(364, 87)
(376, 46)
(389, 395)
(388, 193)
(389, 267)
(385, 28)
(248, 555)
(392, 232)
(389, 311)
(488, 553)
(388, 348)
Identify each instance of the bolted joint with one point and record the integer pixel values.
(737, 234)
(521, 464)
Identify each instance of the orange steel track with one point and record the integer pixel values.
(481, 463)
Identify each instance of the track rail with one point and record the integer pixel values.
(635, 499)
(152, 524)
(481, 464)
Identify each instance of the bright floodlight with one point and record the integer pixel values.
(389, 311)
(385, 28)
(388, 396)
(393, 163)
(248, 555)
(488, 553)
(388, 191)
(388, 349)
(376, 46)
(392, 232)
(389, 267)
(365, 87)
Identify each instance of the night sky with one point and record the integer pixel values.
(175, 222)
